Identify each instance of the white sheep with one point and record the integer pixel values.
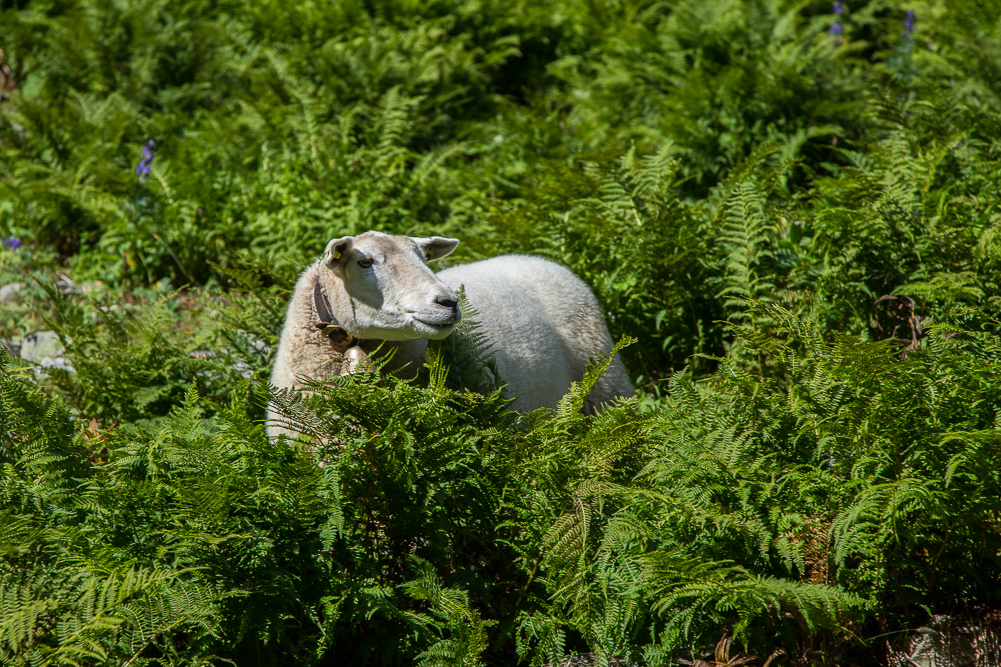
(541, 323)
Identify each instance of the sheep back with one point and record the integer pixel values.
(543, 325)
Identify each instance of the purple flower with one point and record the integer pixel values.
(142, 170)
(909, 22)
(13, 243)
(836, 28)
(838, 8)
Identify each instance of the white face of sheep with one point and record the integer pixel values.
(393, 294)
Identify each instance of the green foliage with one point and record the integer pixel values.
(739, 184)
(623, 229)
(716, 79)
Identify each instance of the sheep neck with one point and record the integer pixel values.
(325, 321)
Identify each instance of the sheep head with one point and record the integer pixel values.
(380, 286)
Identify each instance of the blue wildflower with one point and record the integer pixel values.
(12, 243)
(909, 22)
(837, 29)
(142, 170)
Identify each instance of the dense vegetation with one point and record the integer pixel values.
(792, 209)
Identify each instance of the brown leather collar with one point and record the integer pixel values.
(325, 320)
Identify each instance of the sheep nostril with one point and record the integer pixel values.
(446, 301)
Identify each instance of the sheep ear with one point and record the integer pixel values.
(337, 250)
(435, 247)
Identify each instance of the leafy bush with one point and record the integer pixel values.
(792, 209)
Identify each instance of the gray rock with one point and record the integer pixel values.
(243, 368)
(39, 345)
(67, 286)
(13, 349)
(7, 291)
(949, 642)
(587, 660)
(44, 349)
(61, 363)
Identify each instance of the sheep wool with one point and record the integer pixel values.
(541, 322)
(543, 325)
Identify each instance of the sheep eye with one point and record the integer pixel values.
(365, 262)
(429, 255)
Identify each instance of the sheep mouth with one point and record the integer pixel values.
(437, 325)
